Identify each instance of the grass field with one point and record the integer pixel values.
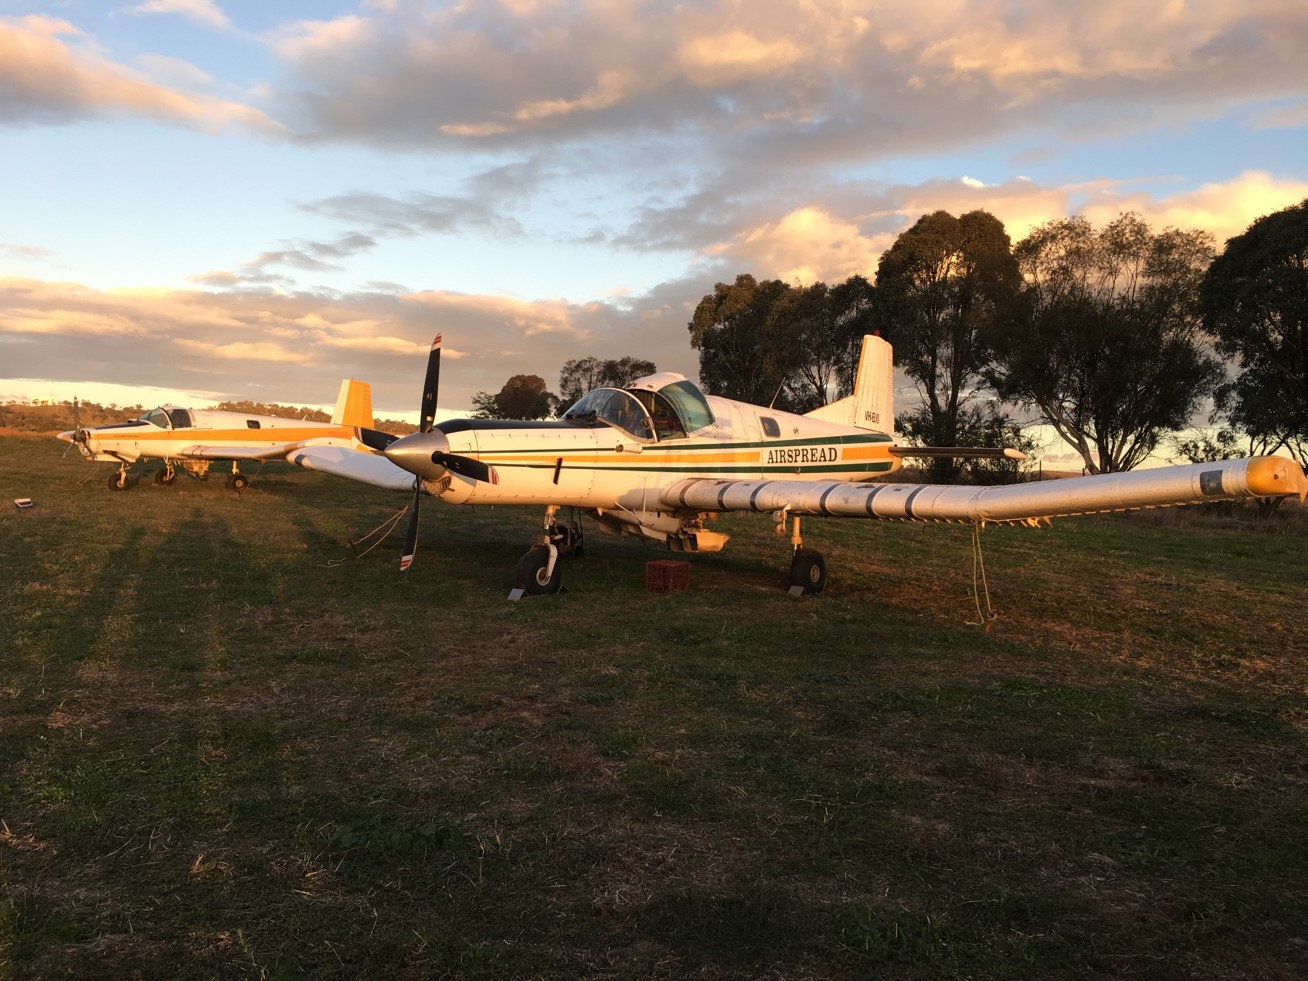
(228, 749)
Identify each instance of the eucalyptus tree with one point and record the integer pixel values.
(1254, 301)
(1107, 346)
(942, 290)
(731, 329)
(582, 375)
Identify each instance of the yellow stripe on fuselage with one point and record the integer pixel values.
(238, 437)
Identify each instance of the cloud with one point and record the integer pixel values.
(1225, 209)
(845, 231)
(28, 252)
(806, 246)
(296, 347)
(850, 75)
(51, 73)
(1294, 116)
(204, 12)
(416, 213)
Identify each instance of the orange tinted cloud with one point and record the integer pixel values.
(48, 73)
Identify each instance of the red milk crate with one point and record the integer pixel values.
(667, 576)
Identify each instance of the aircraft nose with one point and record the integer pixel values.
(414, 453)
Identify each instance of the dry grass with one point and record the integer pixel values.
(224, 755)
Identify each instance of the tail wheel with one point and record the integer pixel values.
(531, 574)
(809, 570)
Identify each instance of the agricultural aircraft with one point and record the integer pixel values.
(658, 459)
(192, 439)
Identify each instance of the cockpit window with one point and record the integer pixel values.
(158, 417)
(661, 413)
(689, 403)
(615, 407)
(181, 418)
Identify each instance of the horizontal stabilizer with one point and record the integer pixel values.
(1028, 503)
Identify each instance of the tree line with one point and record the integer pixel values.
(1115, 337)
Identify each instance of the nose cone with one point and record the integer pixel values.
(414, 453)
(68, 436)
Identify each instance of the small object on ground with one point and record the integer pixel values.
(23, 503)
(667, 576)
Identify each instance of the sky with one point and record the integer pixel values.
(213, 199)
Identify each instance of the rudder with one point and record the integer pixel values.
(872, 405)
(354, 405)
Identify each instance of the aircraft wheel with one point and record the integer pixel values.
(162, 479)
(238, 482)
(119, 481)
(530, 573)
(808, 569)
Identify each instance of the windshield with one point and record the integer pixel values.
(614, 407)
(157, 417)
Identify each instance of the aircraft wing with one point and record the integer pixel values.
(368, 468)
(202, 452)
(1030, 503)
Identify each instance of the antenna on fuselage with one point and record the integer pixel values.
(773, 403)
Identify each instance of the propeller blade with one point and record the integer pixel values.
(426, 418)
(374, 439)
(466, 466)
(77, 429)
(430, 385)
(411, 532)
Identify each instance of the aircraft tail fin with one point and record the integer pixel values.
(354, 405)
(872, 405)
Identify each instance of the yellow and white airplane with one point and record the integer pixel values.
(658, 458)
(193, 439)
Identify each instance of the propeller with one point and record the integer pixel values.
(426, 418)
(79, 434)
(426, 453)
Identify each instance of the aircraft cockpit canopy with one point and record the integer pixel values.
(613, 407)
(661, 406)
(168, 417)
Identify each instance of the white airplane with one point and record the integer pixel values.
(659, 458)
(193, 439)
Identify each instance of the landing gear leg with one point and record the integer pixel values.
(538, 570)
(237, 481)
(567, 537)
(808, 569)
(166, 476)
(119, 481)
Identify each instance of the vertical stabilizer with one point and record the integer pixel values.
(872, 405)
(354, 404)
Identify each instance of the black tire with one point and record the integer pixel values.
(808, 569)
(529, 576)
(119, 481)
(162, 479)
(239, 482)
